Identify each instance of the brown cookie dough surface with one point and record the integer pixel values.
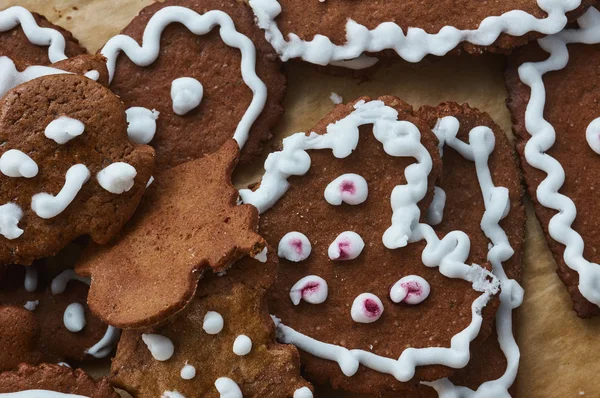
(216, 66)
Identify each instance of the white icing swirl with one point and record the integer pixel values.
(48, 206)
(435, 212)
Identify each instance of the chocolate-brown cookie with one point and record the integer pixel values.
(562, 116)
(91, 66)
(241, 348)
(57, 378)
(188, 223)
(73, 172)
(225, 91)
(22, 34)
(351, 267)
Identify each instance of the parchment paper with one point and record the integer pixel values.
(559, 352)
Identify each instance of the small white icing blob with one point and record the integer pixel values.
(188, 372)
(213, 322)
(10, 215)
(117, 177)
(435, 212)
(74, 317)
(242, 345)
(172, 394)
(366, 308)
(141, 124)
(64, 129)
(31, 305)
(92, 74)
(336, 99)
(14, 163)
(294, 246)
(39, 394)
(411, 289)
(592, 135)
(347, 246)
(312, 289)
(303, 392)
(349, 188)
(262, 256)
(66, 365)
(186, 94)
(48, 206)
(161, 347)
(228, 388)
(31, 279)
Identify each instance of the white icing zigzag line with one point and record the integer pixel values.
(13, 16)
(413, 46)
(543, 137)
(399, 138)
(198, 25)
(496, 200)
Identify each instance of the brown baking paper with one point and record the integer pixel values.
(559, 352)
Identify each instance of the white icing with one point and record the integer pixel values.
(348, 188)
(213, 322)
(10, 215)
(92, 74)
(262, 256)
(31, 279)
(228, 388)
(592, 135)
(347, 246)
(48, 206)
(411, 289)
(150, 181)
(336, 99)
(312, 289)
(14, 163)
(161, 347)
(413, 45)
(66, 365)
(294, 246)
(186, 94)
(11, 77)
(188, 372)
(242, 345)
(172, 394)
(366, 308)
(141, 124)
(303, 392)
(117, 177)
(435, 212)
(39, 394)
(31, 305)
(64, 129)
(74, 317)
(198, 25)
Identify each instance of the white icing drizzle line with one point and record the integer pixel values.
(413, 46)
(14, 16)
(103, 347)
(542, 139)
(497, 203)
(198, 25)
(399, 138)
(11, 77)
(48, 206)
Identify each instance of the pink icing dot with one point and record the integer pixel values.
(348, 186)
(344, 247)
(372, 308)
(347, 246)
(312, 289)
(297, 245)
(411, 289)
(366, 308)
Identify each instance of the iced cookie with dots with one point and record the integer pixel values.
(353, 34)
(381, 291)
(555, 120)
(53, 381)
(189, 223)
(222, 342)
(73, 173)
(183, 61)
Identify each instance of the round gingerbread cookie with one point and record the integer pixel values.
(203, 74)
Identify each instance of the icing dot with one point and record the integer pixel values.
(366, 308)
(312, 289)
(172, 394)
(117, 177)
(10, 215)
(411, 289)
(213, 322)
(336, 99)
(349, 188)
(66, 365)
(74, 317)
(188, 372)
(242, 345)
(347, 246)
(47, 206)
(592, 135)
(262, 256)
(14, 163)
(31, 279)
(303, 392)
(92, 74)
(141, 124)
(160, 347)
(31, 305)
(64, 129)
(186, 94)
(228, 388)
(294, 246)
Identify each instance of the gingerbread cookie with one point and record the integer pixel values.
(364, 282)
(182, 105)
(53, 381)
(189, 222)
(342, 32)
(557, 127)
(32, 39)
(73, 173)
(224, 339)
